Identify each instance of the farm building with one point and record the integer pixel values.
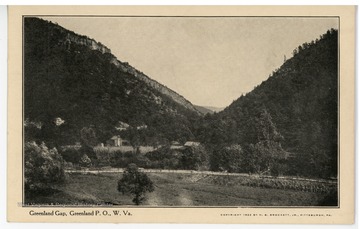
(176, 145)
(190, 143)
(117, 141)
(122, 126)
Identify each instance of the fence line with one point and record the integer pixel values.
(121, 170)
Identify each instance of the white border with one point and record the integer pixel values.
(3, 106)
(3, 109)
(181, 2)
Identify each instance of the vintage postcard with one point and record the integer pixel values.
(181, 114)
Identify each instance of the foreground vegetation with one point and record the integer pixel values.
(187, 190)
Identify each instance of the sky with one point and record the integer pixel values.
(211, 61)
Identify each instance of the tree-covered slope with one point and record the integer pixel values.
(76, 90)
(72, 82)
(302, 99)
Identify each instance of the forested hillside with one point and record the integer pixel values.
(77, 91)
(74, 87)
(301, 100)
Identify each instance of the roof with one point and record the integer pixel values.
(115, 137)
(190, 143)
(176, 147)
(175, 143)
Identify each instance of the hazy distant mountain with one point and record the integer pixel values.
(215, 109)
(73, 82)
(208, 110)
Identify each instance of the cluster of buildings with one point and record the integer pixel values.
(125, 145)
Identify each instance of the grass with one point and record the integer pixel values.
(83, 189)
(203, 192)
(184, 190)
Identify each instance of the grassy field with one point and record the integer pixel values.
(177, 190)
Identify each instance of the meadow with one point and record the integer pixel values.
(176, 189)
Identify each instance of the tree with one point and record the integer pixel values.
(194, 158)
(85, 161)
(136, 183)
(267, 152)
(227, 158)
(88, 136)
(89, 141)
(43, 167)
(71, 154)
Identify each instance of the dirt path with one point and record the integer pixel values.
(185, 198)
(163, 196)
(153, 199)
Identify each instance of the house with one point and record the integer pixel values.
(289, 155)
(176, 145)
(122, 126)
(142, 127)
(117, 141)
(192, 144)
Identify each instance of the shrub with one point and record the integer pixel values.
(103, 155)
(227, 158)
(85, 161)
(72, 155)
(43, 166)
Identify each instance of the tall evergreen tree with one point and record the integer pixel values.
(267, 152)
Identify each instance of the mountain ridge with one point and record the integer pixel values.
(301, 98)
(72, 83)
(125, 66)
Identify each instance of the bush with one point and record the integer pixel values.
(103, 155)
(194, 158)
(43, 167)
(121, 160)
(85, 161)
(72, 155)
(227, 158)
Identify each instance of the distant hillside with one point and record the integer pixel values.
(208, 110)
(72, 38)
(74, 86)
(215, 109)
(203, 110)
(124, 66)
(302, 99)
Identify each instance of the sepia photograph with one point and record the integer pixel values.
(190, 111)
(174, 111)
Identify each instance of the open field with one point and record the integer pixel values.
(174, 189)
